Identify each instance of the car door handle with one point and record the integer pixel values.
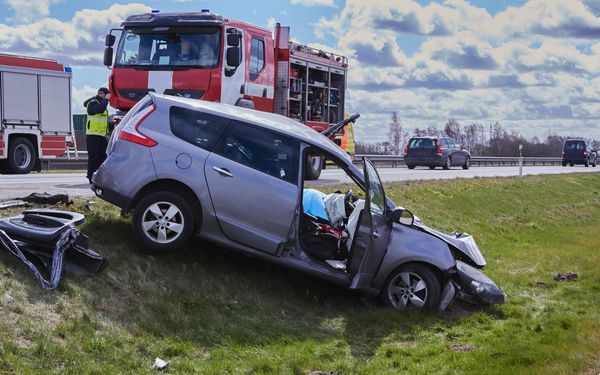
(223, 171)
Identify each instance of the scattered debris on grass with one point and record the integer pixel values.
(539, 283)
(324, 373)
(160, 364)
(46, 198)
(566, 276)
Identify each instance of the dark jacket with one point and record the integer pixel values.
(95, 105)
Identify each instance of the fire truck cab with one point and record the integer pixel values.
(35, 112)
(205, 56)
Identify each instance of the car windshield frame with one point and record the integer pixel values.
(170, 48)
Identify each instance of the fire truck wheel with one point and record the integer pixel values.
(21, 156)
(314, 166)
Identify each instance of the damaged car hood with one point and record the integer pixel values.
(465, 243)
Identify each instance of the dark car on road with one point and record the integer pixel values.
(578, 151)
(435, 152)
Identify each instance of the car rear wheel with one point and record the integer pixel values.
(410, 166)
(162, 221)
(467, 164)
(564, 164)
(571, 164)
(432, 167)
(448, 163)
(411, 286)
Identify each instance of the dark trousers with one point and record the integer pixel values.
(96, 149)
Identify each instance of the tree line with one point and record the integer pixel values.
(480, 140)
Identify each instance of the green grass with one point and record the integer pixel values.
(210, 310)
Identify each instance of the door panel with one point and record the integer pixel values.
(374, 231)
(252, 208)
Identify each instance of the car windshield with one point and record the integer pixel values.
(422, 143)
(167, 47)
(576, 145)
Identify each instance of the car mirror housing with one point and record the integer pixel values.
(402, 216)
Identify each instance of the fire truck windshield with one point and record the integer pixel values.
(165, 48)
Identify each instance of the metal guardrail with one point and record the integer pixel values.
(64, 163)
(398, 160)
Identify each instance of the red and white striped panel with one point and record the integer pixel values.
(53, 145)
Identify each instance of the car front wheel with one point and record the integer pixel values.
(411, 286)
(162, 221)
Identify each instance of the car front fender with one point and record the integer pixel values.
(408, 245)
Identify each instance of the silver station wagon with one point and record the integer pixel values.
(235, 177)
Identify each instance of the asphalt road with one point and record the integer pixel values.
(75, 184)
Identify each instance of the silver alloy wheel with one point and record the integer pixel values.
(162, 222)
(23, 156)
(468, 162)
(407, 288)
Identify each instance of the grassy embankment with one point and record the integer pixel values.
(209, 310)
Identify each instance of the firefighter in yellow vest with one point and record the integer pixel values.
(96, 130)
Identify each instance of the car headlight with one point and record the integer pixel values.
(478, 284)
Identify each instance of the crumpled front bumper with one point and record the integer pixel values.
(471, 285)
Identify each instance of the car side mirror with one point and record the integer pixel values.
(108, 56)
(402, 216)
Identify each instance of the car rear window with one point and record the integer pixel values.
(198, 128)
(422, 143)
(575, 145)
(261, 149)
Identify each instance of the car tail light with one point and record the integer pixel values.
(584, 153)
(406, 148)
(438, 148)
(130, 131)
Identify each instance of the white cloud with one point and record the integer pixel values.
(531, 67)
(271, 23)
(76, 42)
(29, 10)
(311, 3)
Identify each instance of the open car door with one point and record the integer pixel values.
(372, 234)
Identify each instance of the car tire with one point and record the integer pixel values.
(432, 167)
(411, 286)
(22, 156)
(587, 163)
(448, 163)
(160, 237)
(467, 164)
(314, 166)
(571, 164)
(410, 166)
(564, 164)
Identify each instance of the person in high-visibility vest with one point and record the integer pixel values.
(96, 130)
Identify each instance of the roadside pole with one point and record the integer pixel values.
(520, 160)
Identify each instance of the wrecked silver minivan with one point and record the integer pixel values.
(236, 177)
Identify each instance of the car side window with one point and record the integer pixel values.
(257, 57)
(445, 143)
(198, 128)
(267, 152)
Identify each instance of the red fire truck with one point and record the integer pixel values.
(35, 112)
(202, 55)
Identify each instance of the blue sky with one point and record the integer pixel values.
(533, 65)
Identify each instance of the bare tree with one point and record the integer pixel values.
(452, 130)
(395, 134)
